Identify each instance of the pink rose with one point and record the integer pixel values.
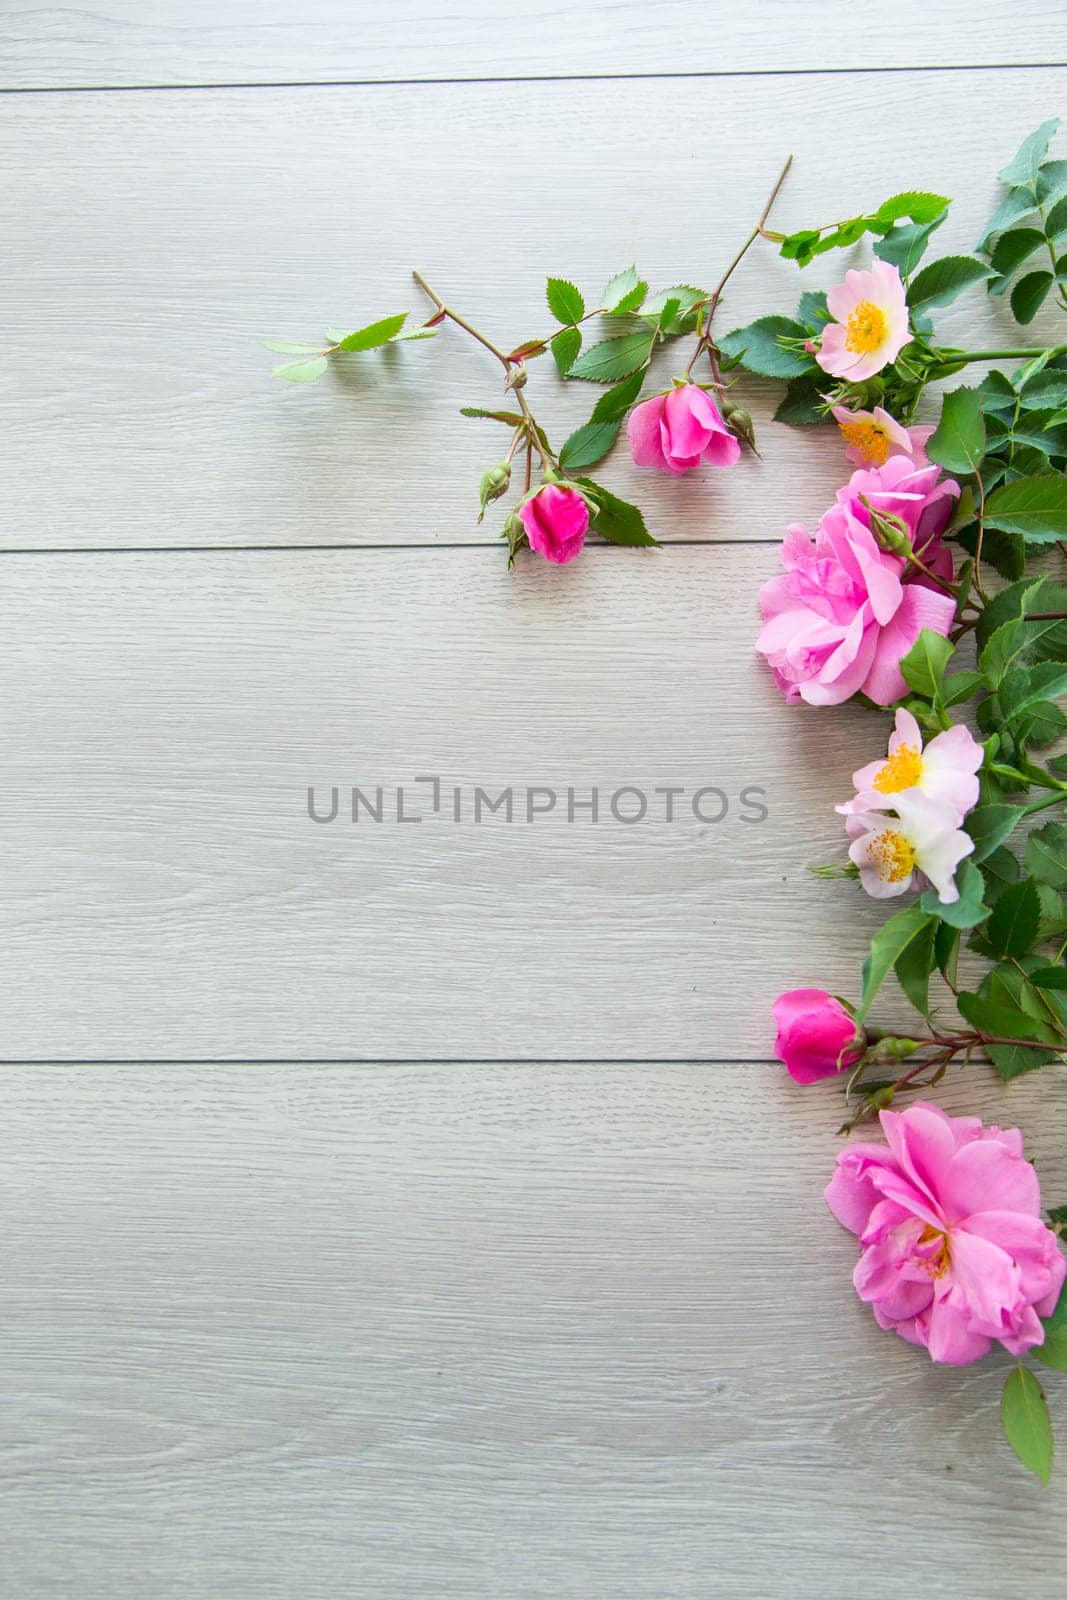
(813, 1031)
(873, 436)
(556, 520)
(870, 326)
(914, 494)
(675, 432)
(955, 1253)
(845, 612)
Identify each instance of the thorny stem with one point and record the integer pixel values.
(704, 341)
(533, 432)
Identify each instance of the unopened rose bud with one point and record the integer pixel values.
(890, 531)
(741, 422)
(516, 378)
(494, 483)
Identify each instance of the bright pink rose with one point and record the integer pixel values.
(813, 1032)
(845, 612)
(914, 494)
(556, 520)
(955, 1253)
(675, 432)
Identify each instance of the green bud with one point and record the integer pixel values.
(494, 483)
(740, 422)
(881, 1098)
(892, 534)
(516, 378)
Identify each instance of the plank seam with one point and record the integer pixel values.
(246, 549)
(577, 77)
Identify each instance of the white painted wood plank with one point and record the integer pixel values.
(152, 237)
(247, 41)
(167, 895)
(550, 1333)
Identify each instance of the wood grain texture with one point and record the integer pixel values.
(550, 1333)
(127, 42)
(166, 894)
(151, 238)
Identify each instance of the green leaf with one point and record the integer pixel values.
(613, 405)
(917, 204)
(617, 520)
(565, 348)
(1012, 927)
(1053, 1353)
(758, 348)
(1056, 221)
(1032, 685)
(1049, 978)
(1034, 507)
(1046, 855)
(613, 359)
(802, 403)
(988, 1017)
(1025, 1419)
(905, 245)
(958, 442)
(970, 909)
(1046, 388)
(588, 445)
(1019, 203)
(374, 334)
(944, 279)
(511, 417)
(989, 826)
(290, 347)
(622, 290)
(1022, 168)
(1005, 606)
(564, 300)
(686, 295)
(813, 311)
(1028, 296)
(915, 964)
(1011, 250)
(960, 686)
(924, 665)
(887, 947)
(1051, 181)
(301, 371)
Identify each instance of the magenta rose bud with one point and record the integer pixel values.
(556, 521)
(813, 1032)
(675, 432)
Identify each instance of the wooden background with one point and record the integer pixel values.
(416, 1211)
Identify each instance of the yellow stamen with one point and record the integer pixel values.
(866, 328)
(938, 1264)
(903, 770)
(867, 437)
(892, 855)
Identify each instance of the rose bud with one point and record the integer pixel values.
(556, 520)
(674, 432)
(816, 1035)
(494, 483)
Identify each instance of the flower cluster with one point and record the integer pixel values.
(873, 604)
(955, 1253)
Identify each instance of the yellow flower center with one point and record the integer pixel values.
(903, 770)
(871, 440)
(893, 856)
(937, 1264)
(866, 328)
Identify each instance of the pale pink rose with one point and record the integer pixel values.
(922, 844)
(945, 770)
(556, 520)
(675, 432)
(815, 1035)
(844, 613)
(873, 436)
(870, 326)
(923, 500)
(955, 1253)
